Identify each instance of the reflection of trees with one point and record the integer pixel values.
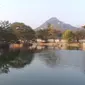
(5, 58)
(72, 48)
(49, 57)
(23, 59)
(14, 59)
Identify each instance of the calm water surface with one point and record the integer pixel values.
(42, 67)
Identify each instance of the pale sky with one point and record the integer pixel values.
(36, 12)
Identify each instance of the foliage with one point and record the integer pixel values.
(80, 34)
(22, 31)
(68, 35)
(42, 33)
(13, 32)
(49, 33)
(6, 32)
(5, 25)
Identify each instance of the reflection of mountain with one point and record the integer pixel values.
(49, 57)
(14, 59)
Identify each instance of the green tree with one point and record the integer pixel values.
(80, 34)
(48, 33)
(6, 32)
(23, 31)
(51, 31)
(42, 33)
(68, 35)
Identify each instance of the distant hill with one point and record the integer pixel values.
(59, 25)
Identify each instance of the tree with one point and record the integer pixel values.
(80, 34)
(51, 31)
(48, 33)
(42, 33)
(5, 25)
(23, 31)
(13, 32)
(68, 35)
(6, 32)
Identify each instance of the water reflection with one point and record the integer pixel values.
(14, 58)
(42, 66)
(63, 58)
(49, 57)
(72, 48)
(57, 48)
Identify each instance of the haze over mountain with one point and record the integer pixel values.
(57, 24)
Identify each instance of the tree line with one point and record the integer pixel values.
(12, 32)
(52, 33)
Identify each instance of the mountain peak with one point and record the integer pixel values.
(59, 25)
(53, 19)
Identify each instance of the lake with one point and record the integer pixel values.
(42, 67)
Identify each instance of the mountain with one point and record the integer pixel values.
(57, 24)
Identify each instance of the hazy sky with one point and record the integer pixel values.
(35, 12)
